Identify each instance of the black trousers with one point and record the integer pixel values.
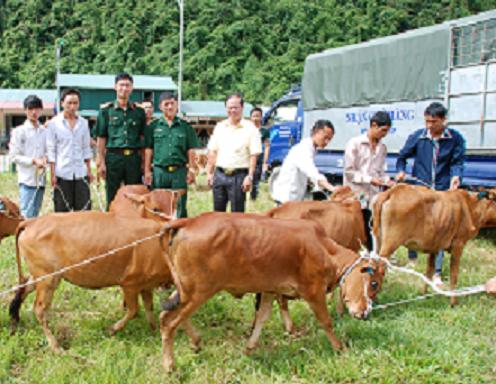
(71, 195)
(229, 188)
(367, 215)
(256, 178)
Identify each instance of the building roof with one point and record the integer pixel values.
(141, 82)
(13, 98)
(20, 94)
(208, 109)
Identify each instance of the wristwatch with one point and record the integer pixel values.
(249, 177)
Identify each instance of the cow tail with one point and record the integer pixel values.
(168, 234)
(376, 217)
(15, 304)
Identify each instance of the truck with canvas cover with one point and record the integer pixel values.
(453, 62)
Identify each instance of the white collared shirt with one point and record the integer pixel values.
(235, 143)
(27, 143)
(362, 164)
(298, 167)
(68, 147)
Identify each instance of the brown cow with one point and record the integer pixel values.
(56, 241)
(242, 253)
(10, 217)
(138, 201)
(429, 221)
(342, 221)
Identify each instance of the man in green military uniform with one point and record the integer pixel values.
(170, 143)
(120, 127)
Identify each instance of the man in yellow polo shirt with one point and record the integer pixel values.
(232, 157)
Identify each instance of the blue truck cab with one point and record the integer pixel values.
(285, 122)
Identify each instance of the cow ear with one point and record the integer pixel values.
(139, 199)
(368, 270)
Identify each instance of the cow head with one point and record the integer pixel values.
(159, 204)
(10, 217)
(361, 284)
(484, 207)
(489, 214)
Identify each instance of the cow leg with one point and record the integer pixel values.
(339, 303)
(456, 254)
(15, 305)
(283, 308)
(131, 300)
(194, 336)
(431, 258)
(147, 296)
(261, 317)
(44, 296)
(170, 320)
(317, 303)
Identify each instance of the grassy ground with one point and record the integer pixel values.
(426, 341)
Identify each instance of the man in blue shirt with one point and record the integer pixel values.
(438, 153)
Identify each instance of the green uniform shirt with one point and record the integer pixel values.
(122, 128)
(170, 144)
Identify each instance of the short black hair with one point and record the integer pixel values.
(69, 91)
(381, 118)
(32, 101)
(123, 76)
(256, 109)
(167, 95)
(238, 95)
(321, 124)
(436, 109)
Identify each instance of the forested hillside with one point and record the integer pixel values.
(256, 46)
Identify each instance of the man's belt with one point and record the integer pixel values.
(123, 151)
(170, 168)
(232, 171)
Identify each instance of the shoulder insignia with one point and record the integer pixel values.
(107, 105)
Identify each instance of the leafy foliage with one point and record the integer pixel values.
(257, 47)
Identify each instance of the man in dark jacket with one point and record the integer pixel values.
(438, 153)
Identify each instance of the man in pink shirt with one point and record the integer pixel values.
(364, 164)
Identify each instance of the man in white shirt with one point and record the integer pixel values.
(299, 166)
(69, 156)
(364, 165)
(233, 149)
(28, 151)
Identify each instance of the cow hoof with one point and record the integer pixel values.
(195, 347)
(112, 331)
(168, 367)
(13, 328)
(249, 351)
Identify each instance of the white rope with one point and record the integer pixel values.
(437, 291)
(455, 293)
(80, 264)
(98, 196)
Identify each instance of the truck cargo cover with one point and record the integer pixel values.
(408, 66)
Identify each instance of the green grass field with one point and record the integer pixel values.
(423, 342)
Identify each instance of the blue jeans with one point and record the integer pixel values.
(31, 199)
(412, 255)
